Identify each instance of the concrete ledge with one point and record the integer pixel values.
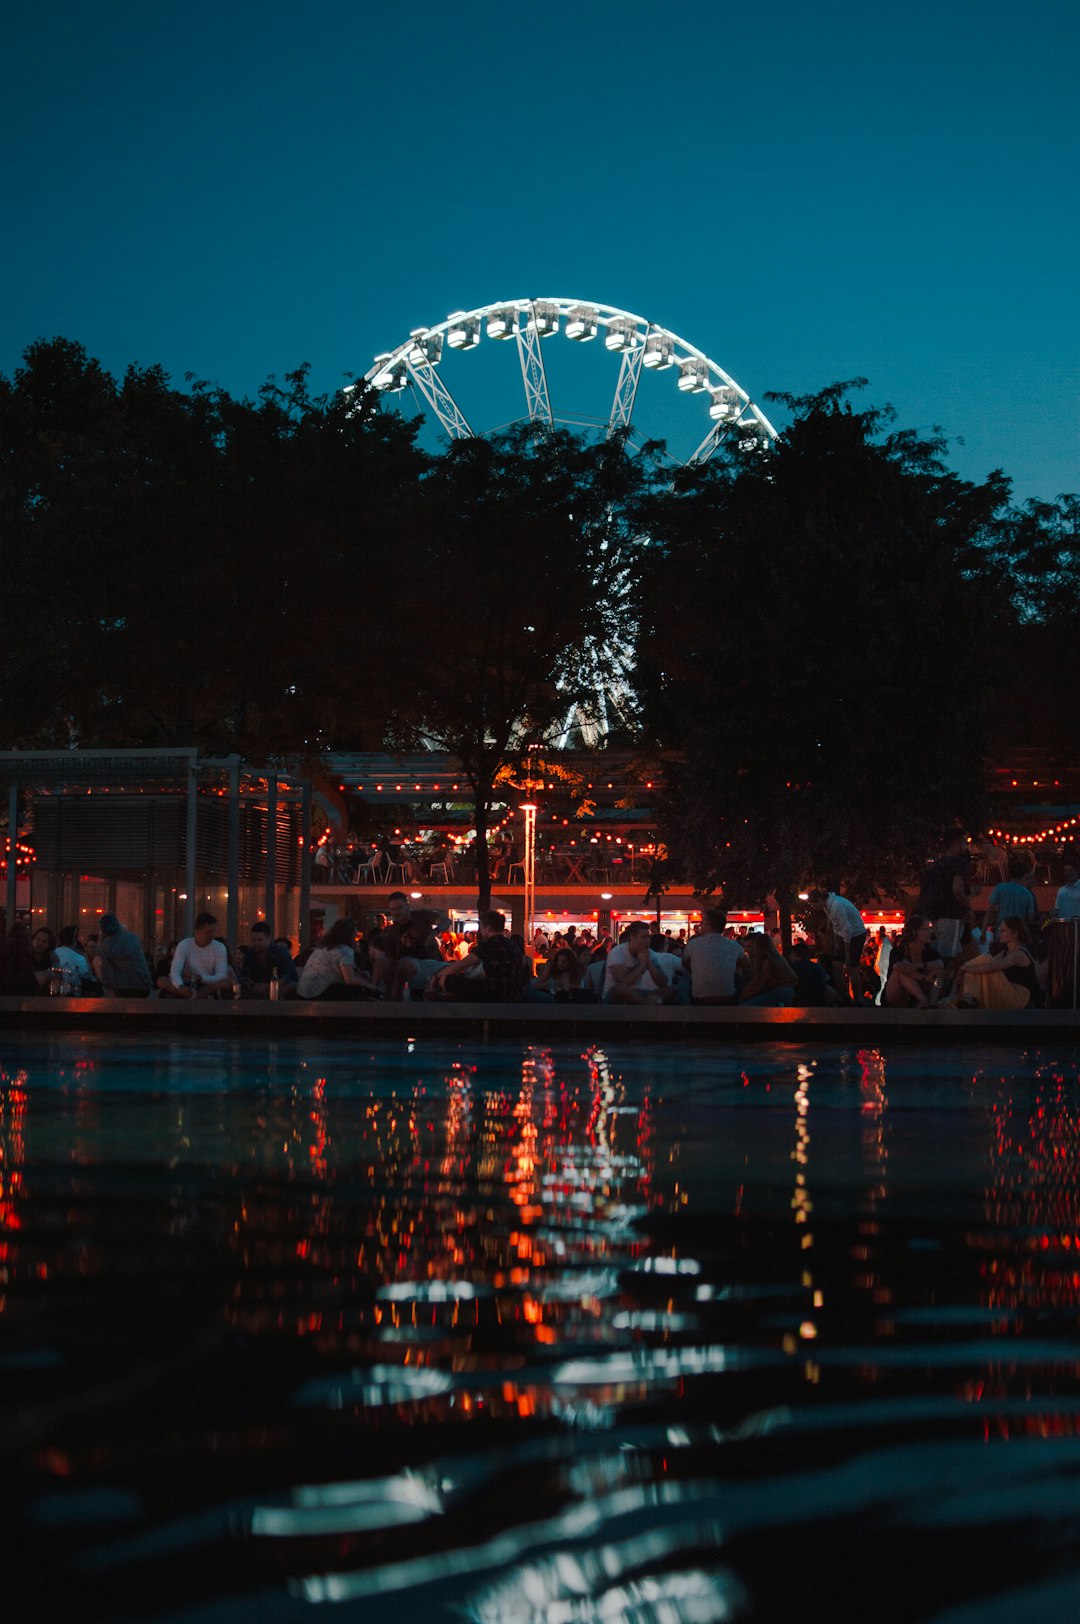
(580, 1022)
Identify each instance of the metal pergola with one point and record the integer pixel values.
(73, 772)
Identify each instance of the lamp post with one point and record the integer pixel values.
(528, 812)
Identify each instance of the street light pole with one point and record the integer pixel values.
(529, 869)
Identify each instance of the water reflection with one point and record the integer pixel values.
(531, 1333)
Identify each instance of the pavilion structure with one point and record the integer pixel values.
(156, 836)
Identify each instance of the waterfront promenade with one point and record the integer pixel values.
(591, 1023)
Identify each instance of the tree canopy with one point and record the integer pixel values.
(830, 633)
(805, 620)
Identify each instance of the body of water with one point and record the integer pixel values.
(414, 1331)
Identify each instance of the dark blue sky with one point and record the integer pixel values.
(805, 192)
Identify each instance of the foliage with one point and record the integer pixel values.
(184, 566)
(520, 558)
(802, 664)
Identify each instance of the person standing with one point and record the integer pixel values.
(849, 935)
(1067, 901)
(948, 896)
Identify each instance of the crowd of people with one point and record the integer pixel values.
(947, 955)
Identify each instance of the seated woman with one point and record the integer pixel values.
(916, 972)
(71, 957)
(562, 975)
(17, 976)
(43, 955)
(772, 981)
(1002, 979)
(331, 971)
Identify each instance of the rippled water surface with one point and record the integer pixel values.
(650, 1335)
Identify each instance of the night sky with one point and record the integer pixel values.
(806, 193)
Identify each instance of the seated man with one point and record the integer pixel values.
(634, 974)
(496, 956)
(410, 948)
(714, 961)
(260, 960)
(120, 964)
(200, 966)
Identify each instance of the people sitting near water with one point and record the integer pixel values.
(334, 971)
(410, 950)
(72, 958)
(634, 973)
(1004, 978)
(1013, 898)
(493, 972)
(200, 966)
(714, 961)
(42, 954)
(916, 978)
(263, 962)
(562, 976)
(770, 981)
(849, 934)
(814, 989)
(18, 979)
(120, 963)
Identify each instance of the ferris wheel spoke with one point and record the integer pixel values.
(622, 406)
(442, 403)
(533, 373)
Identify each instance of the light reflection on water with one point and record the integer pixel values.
(646, 1334)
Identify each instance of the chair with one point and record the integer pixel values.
(446, 868)
(510, 873)
(398, 869)
(372, 869)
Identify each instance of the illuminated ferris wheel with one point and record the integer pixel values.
(634, 344)
(716, 409)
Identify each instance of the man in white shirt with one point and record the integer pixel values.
(713, 960)
(200, 966)
(1067, 903)
(634, 974)
(849, 934)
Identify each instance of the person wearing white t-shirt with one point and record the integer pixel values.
(849, 934)
(1067, 902)
(634, 974)
(714, 961)
(200, 966)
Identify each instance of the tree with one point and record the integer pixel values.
(804, 613)
(518, 566)
(185, 567)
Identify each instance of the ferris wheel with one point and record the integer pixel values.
(635, 345)
(716, 409)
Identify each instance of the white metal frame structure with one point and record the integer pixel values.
(637, 341)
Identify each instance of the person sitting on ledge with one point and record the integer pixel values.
(1003, 979)
(120, 964)
(772, 982)
(260, 961)
(331, 973)
(200, 966)
(634, 973)
(499, 961)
